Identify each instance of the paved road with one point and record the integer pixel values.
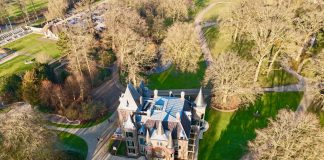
(96, 149)
(109, 92)
(203, 43)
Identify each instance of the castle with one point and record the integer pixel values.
(160, 127)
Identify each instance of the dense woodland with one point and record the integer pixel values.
(139, 35)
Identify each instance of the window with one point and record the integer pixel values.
(129, 134)
(131, 150)
(142, 149)
(130, 143)
(179, 147)
(142, 141)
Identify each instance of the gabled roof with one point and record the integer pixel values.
(159, 133)
(129, 123)
(130, 99)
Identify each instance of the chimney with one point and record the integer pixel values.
(148, 112)
(160, 128)
(141, 100)
(156, 92)
(183, 95)
(178, 116)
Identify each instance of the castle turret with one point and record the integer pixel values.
(200, 102)
(148, 140)
(200, 107)
(170, 143)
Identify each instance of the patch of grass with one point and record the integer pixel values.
(221, 10)
(277, 77)
(218, 41)
(121, 151)
(211, 34)
(72, 145)
(173, 79)
(229, 133)
(321, 115)
(85, 125)
(14, 10)
(29, 46)
(5, 110)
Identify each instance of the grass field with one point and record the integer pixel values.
(30, 46)
(121, 151)
(321, 115)
(173, 79)
(229, 133)
(73, 145)
(14, 10)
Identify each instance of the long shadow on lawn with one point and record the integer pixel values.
(232, 143)
(173, 79)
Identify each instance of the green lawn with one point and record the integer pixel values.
(85, 125)
(229, 133)
(30, 46)
(321, 115)
(218, 41)
(73, 145)
(121, 151)
(14, 10)
(277, 77)
(173, 79)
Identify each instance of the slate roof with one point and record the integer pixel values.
(130, 99)
(160, 110)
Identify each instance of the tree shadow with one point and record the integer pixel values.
(233, 140)
(174, 79)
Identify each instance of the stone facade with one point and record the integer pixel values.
(160, 127)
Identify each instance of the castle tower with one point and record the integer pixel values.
(200, 103)
(130, 133)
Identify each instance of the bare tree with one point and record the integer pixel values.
(119, 17)
(264, 23)
(174, 9)
(56, 9)
(309, 19)
(3, 12)
(81, 42)
(23, 135)
(315, 78)
(45, 93)
(181, 47)
(34, 9)
(22, 5)
(232, 81)
(289, 136)
(141, 57)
